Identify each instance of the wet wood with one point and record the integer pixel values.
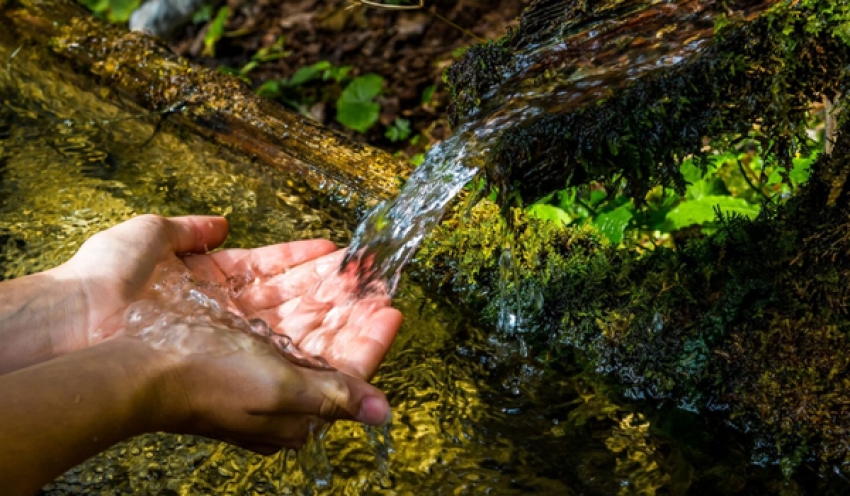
(216, 106)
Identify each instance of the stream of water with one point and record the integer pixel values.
(579, 63)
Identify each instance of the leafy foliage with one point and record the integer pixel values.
(757, 77)
(747, 316)
(732, 184)
(113, 10)
(356, 108)
(748, 321)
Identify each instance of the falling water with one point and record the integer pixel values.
(582, 63)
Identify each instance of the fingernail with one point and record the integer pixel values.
(374, 411)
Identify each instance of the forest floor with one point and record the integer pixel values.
(408, 49)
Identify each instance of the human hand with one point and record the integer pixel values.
(261, 402)
(79, 404)
(294, 287)
(312, 303)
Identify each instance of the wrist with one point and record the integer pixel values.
(39, 315)
(158, 400)
(158, 376)
(69, 321)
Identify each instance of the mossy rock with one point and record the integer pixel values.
(750, 323)
(758, 76)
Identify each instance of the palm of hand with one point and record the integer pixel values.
(295, 287)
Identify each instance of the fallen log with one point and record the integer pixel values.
(215, 106)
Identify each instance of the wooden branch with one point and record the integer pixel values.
(216, 106)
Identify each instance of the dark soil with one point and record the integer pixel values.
(410, 49)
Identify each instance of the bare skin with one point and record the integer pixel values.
(73, 386)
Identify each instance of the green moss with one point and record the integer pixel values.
(751, 322)
(759, 75)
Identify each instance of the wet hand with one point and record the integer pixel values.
(307, 299)
(260, 401)
(295, 287)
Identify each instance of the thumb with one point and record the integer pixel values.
(334, 395)
(195, 233)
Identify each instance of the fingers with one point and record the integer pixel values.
(333, 395)
(274, 259)
(366, 341)
(195, 233)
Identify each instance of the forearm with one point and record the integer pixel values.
(59, 413)
(37, 315)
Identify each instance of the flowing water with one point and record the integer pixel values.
(579, 63)
(465, 420)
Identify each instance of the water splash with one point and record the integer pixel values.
(381, 442)
(188, 316)
(313, 459)
(390, 234)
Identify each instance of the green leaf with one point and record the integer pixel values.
(355, 108)
(399, 130)
(800, 170)
(713, 186)
(701, 211)
(549, 213)
(270, 89)
(203, 14)
(428, 94)
(359, 116)
(308, 73)
(363, 88)
(120, 10)
(690, 171)
(215, 32)
(597, 196)
(613, 224)
(96, 6)
(338, 74)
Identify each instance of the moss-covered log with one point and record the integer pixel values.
(751, 323)
(214, 105)
(762, 75)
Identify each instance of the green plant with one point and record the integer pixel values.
(399, 130)
(215, 31)
(203, 14)
(113, 10)
(733, 183)
(356, 108)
